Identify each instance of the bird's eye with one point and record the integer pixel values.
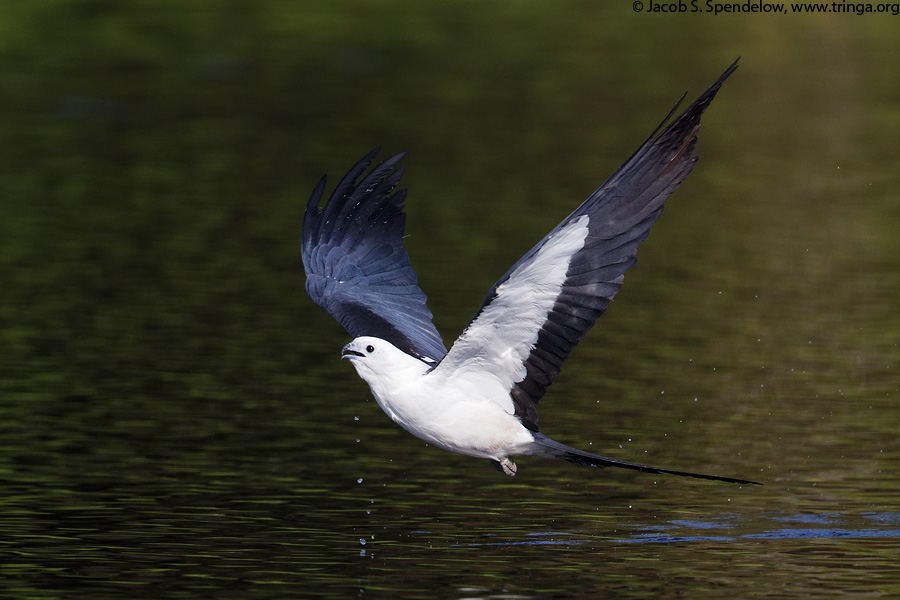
(370, 348)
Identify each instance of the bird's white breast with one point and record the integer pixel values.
(471, 415)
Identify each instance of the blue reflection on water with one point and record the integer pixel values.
(834, 525)
(825, 533)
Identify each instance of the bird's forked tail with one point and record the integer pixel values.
(552, 449)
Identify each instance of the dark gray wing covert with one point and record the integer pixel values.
(356, 266)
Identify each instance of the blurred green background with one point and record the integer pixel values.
(174, 416)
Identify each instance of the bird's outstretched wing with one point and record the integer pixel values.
(356, 267)
(541, 308)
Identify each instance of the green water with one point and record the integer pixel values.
(174, 419)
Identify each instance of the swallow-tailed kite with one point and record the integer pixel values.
(480, 397)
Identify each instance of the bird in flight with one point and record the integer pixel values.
(480, 397)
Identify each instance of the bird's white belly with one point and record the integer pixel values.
(469, 424)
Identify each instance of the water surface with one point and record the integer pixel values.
(174, 419)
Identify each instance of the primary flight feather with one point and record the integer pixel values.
(479, 398)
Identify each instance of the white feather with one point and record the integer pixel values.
(497, 343)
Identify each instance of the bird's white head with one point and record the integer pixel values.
(378, 361)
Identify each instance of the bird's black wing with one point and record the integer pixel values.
(541, 308)
(356, 266)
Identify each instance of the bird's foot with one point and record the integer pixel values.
(508, 466)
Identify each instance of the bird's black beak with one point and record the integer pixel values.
(347, 352)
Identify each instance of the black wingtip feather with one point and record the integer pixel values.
(348, 181)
